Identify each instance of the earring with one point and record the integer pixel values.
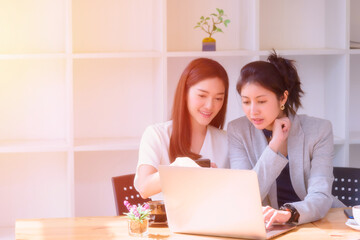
(282, 107)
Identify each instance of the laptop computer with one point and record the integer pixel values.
(216, 202)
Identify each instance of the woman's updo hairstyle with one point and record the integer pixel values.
(277, 75)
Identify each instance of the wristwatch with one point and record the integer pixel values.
(294, 213)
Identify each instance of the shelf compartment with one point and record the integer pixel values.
(354, 24)
(354, 96)
(115, 98)
(107, 144)
(354, 137)
(33, 146)
(240, 33)
(7, 233)
(339, 140)
(120, 25)
(47, 56)
(256, 53)
(33, 96)
(23, 28)
(355, 52)
(340, 159)
(93, 172)
(354, 155)
(231, 64)
(321, 77)
(116, 55)
(305, 52)
(33, 181)
(302, 24)
(212, 54)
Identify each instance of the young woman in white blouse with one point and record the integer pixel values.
(194, 131)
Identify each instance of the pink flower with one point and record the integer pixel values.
(146, 206)
(136, 213)
(127, 204)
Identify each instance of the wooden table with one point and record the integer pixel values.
(90, 228)
(334, 225)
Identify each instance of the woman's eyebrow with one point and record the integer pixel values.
(201, 90)
(204, 91)
(255, 97)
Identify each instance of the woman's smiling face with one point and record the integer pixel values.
(204, 100)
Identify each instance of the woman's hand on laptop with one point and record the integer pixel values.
(184, 162)
(272, 216)
(213, 165)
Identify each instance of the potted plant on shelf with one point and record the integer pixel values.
(138, 219)
(210, 25)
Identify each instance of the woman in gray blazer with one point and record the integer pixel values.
(292, 154)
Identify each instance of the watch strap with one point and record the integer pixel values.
(294, 213)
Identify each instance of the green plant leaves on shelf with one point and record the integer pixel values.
(226, 22)
(221, 12)
(210, 24)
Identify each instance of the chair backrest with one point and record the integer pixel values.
(124, 189)
(346, 186)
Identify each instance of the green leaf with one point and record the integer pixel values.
(130, 215)
(202, 18)
(196, 26)
(221, 19)
(218, 30)
(207, 18)
(213, 14)
(221, 12)
(226, 22)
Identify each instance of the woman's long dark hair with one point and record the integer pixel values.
(277, 75)
(197, 70)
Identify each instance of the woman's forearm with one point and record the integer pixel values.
(147, 182)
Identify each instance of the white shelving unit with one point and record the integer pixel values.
(354, 87)
(80, 80)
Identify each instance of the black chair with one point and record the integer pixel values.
(124, 189)
(346, 186)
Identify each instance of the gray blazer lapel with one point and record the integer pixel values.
(296, 156)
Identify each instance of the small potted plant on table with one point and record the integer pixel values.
(138, 219)
(210, 25)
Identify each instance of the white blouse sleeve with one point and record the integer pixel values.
(150, 150)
